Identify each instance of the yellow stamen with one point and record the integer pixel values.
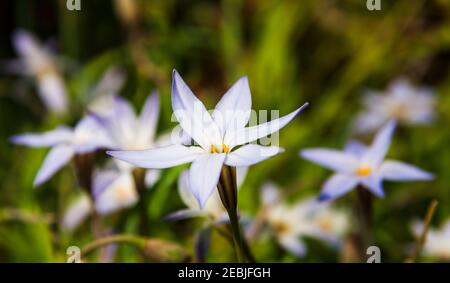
(213, 149)
(364, 171)
(225, 148)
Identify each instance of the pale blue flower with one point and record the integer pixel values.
(87, 136)
(218, 135)
(307, 217)
(363, 165)
(40, 63)
(402, 101)
(438, 240)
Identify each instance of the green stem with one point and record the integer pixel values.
(139, 179)
(228, 194)
(364, 216)
(423, 236)
(126, 239)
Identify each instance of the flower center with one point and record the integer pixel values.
(122, 194)
(363, 171)
(224, 149)
(281, 227)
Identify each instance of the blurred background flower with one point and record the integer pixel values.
(325, 52)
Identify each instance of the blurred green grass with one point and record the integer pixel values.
(325, 52)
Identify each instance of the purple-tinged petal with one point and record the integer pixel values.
(251, 154)
(355, 148)
(57, 157)
(53, 92)
(148, 120)
(374, 184)
(192, 115)
(121, 193)
(185, 191)
(102, 180)
(159, 158)
(337, 185)
(77, 213)
(377, 151)
(89, 135)
(399, 171)
(294, 245)
(331, 159)
(204, 175)
(250, 134)
(59, 135)
(233, 110)
(24, 43)
(184, 214)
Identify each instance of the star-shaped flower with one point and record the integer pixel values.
(402, 102)
(65, 142)
(307, 217)
(360, 164)
(222, 137)
(39, 62)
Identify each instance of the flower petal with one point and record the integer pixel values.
(148, 120)
(337, 185)
(331, 159)
(185, 192)
(89, 135)
(51, 138)
(184, 213)
(399, 171)
(159, 158)
(373, 184)
(355, 148)
(249, 134)
(103, 179)
(251, 154)
(204, 175)
(25, 43)
(270, 194)
(77, 213)
(151, 177)
(192, 115)
(53, 92)
(57, 157)
(293, 245)
(377, 151)
(233, 110)
(118, 195)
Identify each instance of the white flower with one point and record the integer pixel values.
(307, 217)
(360, 164)
(65, 142)
(39, 62)
(125, 129)
(402, 102)
(114, 189)
(213, 208)
(77, 212)
(438, 240)
(102, 100)
(218, 136)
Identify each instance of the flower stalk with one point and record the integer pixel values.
(228, 194)
(364, 216)
(139, 179)
(153, 250)
(423, 236)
